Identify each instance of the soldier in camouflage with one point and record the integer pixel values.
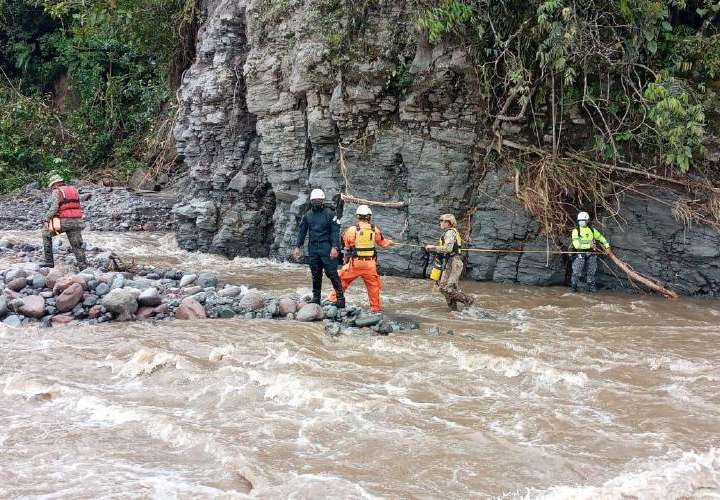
(64, 215)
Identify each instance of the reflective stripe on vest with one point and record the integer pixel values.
(583, 239)
(69, 203)
(364, 242)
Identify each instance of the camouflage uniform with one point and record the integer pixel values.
(448, 284)
(71, 227)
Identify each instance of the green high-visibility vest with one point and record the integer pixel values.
(583, 237)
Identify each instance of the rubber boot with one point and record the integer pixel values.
(340, 302)
(316, 298)
(48, 250)
(80, 258)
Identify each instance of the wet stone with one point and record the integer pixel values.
(187, 280)
(225, 312)
(102, 289)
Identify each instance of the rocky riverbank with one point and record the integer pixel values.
(33, 295)
(106, 209)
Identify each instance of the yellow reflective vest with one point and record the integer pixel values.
(583, 238)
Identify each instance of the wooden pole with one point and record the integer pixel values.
(636, 276)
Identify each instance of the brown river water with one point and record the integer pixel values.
(538, 393)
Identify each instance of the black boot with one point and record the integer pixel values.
(316, 298)
(340, 303)
(48, 250)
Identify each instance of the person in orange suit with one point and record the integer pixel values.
(360, 242)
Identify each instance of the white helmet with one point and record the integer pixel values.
(583, 216)
(317, 194)
(363, 210)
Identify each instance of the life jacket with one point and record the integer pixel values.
(457, 246)
(584, 237)
(442, 258)
(364, 242)
(69, 203)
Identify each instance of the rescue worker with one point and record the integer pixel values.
(64, 215)
(360, 246)
(321, 227)
(585, 263)
(449, 264)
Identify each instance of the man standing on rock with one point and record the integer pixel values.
(321, 227)
(585, 263)
(64, 215)
(448, 261)
(360, 242)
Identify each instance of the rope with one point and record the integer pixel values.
(346, 196)
(502, 250)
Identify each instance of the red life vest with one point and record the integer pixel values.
(69, 203)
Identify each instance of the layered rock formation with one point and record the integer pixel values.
(278, 86)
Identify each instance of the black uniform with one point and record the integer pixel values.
(323, 231)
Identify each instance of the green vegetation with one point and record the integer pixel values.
(85, 85)
(643, 72)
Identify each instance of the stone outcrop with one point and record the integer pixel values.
(272, 95)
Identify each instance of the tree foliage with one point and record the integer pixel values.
(84, 83)
(640, 71)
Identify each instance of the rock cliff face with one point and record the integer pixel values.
(276, 88)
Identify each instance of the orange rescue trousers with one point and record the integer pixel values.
(367, 270)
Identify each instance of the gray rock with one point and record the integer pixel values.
(15, 273)
(310, 312)
(230, 291)
(5, 244)
(13, 321)
(118, 282)
(333, 329)
(90, 300)
(192, 290)
(92, 284)
(272, 308)
(225, 312)
(331, 311)
(252, 301)
(200, 297)
(188, 279)
(121, 302)
(102, 289)
(207, 280)
(434, 331)
(367, 319)
(150, 297)
(38, 282)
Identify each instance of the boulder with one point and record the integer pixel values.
(102, 289)
(365, 320)
(190, 309)
(70, 297)
(150, 297)
(192, 290)
(17, 284)
(13, 320)
(286, 306)
(96, 311)
(188, 279)
(38, 282)
(310, 312)
(225, 312)
(230, 291)
(117, 282)
(121, 302)
(15, 273)
(145, 312)
(66, 281)
(52, 277)
(62, 319)
(252, 301)
(207, 280)
(33, 306)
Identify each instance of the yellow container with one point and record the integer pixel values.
(435, 274)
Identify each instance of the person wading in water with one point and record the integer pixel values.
(64, 215)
